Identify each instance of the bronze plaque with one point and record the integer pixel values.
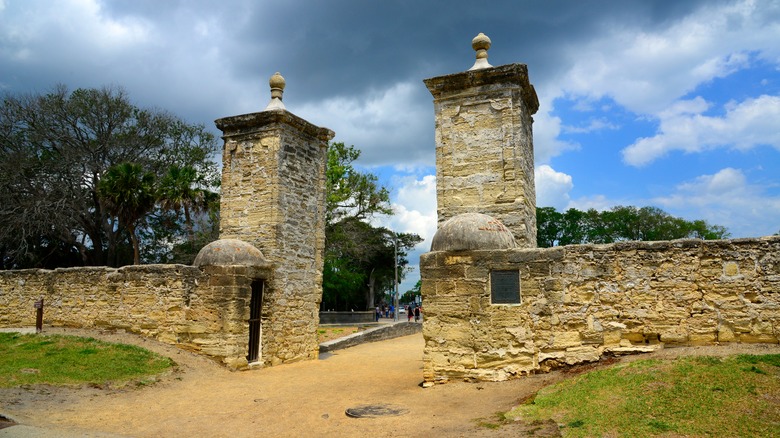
(505, 287)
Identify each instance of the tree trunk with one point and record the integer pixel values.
(371, 282)
(136, 247)
(188, 222)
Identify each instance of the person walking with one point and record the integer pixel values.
(409, 313)
(417, 314)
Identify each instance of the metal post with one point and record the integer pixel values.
(395, 295)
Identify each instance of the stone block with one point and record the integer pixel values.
(702, 337)
(754, 338)
(576, 355)
(566, 339)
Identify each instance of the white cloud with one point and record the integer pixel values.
(726, 198)
(414, 209)
(546, 142)
(593, 125)
(552, 187)
(745, 125)
(646, 72)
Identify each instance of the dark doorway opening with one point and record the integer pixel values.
(255, 310)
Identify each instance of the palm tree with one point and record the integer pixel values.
(178, 191)
(129, 194)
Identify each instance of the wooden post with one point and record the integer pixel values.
(39, 316)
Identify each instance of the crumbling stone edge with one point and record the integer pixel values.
(372, 335)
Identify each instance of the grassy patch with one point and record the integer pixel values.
(70, 360)
(691, 396)
(498, 419)
(325, 333)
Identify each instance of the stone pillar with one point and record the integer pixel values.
(484, 144)
(273, 196)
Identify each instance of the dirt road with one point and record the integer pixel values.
(300, 399)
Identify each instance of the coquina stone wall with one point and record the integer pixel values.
(273, 197)
(201, 310)
(581, 302)
(272, 238)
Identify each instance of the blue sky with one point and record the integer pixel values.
(670, 104)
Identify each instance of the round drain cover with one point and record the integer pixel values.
(373, 411)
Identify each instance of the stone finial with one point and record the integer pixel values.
(481, 43)
(277, 89)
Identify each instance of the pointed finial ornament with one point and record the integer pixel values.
(481, 43)
(277, 89)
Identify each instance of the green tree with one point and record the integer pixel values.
(351, 193)
(411, 295)
(128, 193)
(54, 150)
(549, 227)
(359, 259)
(180, 190)
(620, 223)
(572, 231)
(359, 262)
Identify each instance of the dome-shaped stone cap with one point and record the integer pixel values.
(226, 252)
(472, 231)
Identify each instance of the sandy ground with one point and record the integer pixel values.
(300, 399)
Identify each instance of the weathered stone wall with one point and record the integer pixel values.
(201, 311)
(583, 301)
(363, 317)
(273, 184)
(484, 147)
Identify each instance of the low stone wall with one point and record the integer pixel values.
(347, 317)
(384, 332)
(202, 311)
(580, 302)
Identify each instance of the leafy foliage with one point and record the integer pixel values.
(411, 295)
(55, 149)
(618, 224)
(359, 258)
(128, 193)
(351, 193)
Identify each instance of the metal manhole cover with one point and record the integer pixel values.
(373, 411)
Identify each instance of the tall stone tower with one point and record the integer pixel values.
(273, 197)
(484, 144)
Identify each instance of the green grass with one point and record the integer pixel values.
(70, 360)
(690, 396)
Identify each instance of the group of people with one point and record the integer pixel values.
(413, 312)
(389, 311)
(384, 310)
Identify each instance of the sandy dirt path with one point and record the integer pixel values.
(296, 400)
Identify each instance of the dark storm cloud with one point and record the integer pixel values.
(347, 47)
(204, 60)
